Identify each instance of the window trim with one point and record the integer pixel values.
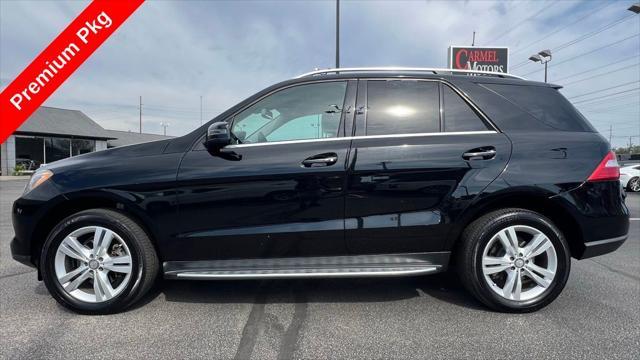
(360, 93)
(363, 137)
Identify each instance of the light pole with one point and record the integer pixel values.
(337, 34)
(542, 57)
(164, 126)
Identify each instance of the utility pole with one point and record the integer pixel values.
(630, 144)
(610, 132)
(140, 114)
(473, 42)
(200, 109)
(337, 33)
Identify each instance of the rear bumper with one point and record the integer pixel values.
(601, 216)
(601, 247)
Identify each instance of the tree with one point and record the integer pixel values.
(635, 149)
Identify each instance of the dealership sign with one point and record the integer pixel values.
(494, 59)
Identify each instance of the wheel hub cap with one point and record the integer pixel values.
(519, 263)
(93, 264)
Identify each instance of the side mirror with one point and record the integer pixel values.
(218, 136)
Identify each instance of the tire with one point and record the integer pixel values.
(126, 261)
(634, 184)
(528, 282)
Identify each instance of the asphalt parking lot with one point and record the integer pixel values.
(597, 316)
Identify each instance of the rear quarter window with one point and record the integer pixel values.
(546, 104)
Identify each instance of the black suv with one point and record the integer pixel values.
(338, 173)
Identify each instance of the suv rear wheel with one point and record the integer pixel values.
(514, 260)
(98, 261)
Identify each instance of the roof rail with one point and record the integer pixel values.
(409, 69)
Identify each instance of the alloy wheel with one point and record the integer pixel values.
(634, 185)
(93, 264)
(519, 263)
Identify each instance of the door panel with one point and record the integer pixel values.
(404, 190)
(268, 204)
(278, 193)
(404, 193)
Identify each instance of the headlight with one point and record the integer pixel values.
(37, 179)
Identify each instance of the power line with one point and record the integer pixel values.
(546, 7)
(615, 98)
(600, 97)
(593, 33)
(609, 106)
(630, 112)
(580, 38)
(598, 75)
(587, 53)
(598, 67)
(564, 27)
(605, 89)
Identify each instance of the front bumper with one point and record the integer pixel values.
(29, 213)
(20, 253)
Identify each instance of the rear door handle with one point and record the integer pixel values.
(320, 160)
(478, 154)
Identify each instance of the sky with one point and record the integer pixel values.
(173, 52)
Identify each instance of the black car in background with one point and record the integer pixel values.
(338, 173)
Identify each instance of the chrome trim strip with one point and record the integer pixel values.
(362, 137)
(231, 275)
(606, 241)
(435, 71)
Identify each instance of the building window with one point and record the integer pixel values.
(30, 148)
(82, 146)
(50, 149)
(57, 149)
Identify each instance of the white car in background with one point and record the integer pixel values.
(630, 177)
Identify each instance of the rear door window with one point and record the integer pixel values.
(402, 107)
(546, 104)
(457, 114)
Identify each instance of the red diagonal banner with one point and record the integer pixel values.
(60, 59)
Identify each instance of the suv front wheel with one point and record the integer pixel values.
(98, 261)
(514, 260)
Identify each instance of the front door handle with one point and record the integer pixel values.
(480, 154)
(320, 160)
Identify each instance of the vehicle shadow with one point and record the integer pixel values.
(441, 287)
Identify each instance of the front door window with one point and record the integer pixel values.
(304, 112)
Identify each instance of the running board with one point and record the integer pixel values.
(309, 267)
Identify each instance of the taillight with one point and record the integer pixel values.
(608, 169)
